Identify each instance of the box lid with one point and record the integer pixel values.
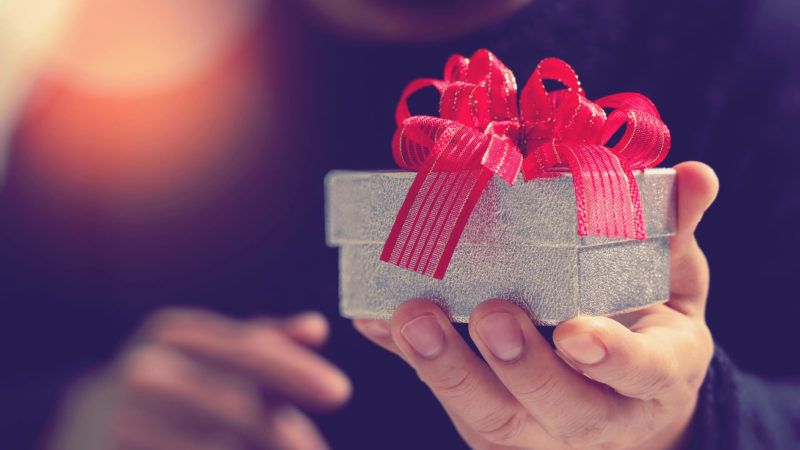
(361, 208)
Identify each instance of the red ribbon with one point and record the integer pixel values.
(481, 133)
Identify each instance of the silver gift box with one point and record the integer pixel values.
(520, 244)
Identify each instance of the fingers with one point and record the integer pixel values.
(137, 429)
(146, 428)
(665, 360)
(195, 379)
(464, 385)
(525, 393)
(262, 352)
(697, 188)
(308, 328)
(192, 379)
(172, 401)
(559, 399)
(160, 375)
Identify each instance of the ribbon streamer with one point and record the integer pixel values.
(481, 133)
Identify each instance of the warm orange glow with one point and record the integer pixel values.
(29, 29)
(142, 45)
(148, 103)
(144, 152)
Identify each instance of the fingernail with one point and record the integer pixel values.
(501, 333)
(376, 328)
(582, 348)
(424, 335)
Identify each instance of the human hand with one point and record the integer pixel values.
(606, 385)
(193, 379)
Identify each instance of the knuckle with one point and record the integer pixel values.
(259, 342)
(584, 434)
(501, 427)
(538, 388)
(450, 382)
(586, 425)
(655, 383)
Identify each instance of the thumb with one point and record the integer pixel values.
(643, 365)
(697, 188)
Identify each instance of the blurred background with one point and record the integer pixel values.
(171, 152)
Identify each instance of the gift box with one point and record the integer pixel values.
(547, 200)
(520, 244)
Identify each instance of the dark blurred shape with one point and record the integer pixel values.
(416, 21)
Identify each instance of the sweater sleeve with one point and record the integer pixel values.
(737, 410)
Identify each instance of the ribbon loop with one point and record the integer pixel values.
(402, 113)
(646, 140)
(534, 100)
(465, 103)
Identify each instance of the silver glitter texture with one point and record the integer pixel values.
(520, 244)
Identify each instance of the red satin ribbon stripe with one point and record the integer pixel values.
(481, 133)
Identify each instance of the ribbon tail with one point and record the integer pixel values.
(423, 240)
(606, 193)
(444, 193)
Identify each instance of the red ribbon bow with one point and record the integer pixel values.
(481, 133)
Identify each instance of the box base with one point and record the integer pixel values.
(553, 284)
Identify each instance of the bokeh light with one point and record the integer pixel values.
(145, 102)
(126, 47)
